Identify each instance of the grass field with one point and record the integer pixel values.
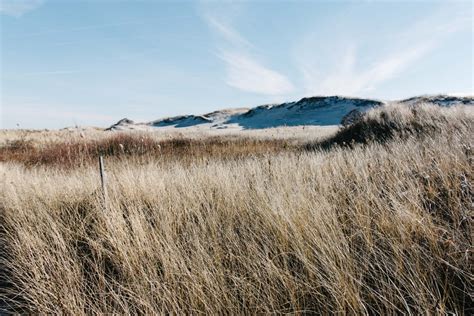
(374, 218)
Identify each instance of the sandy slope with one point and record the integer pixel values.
(312, 111)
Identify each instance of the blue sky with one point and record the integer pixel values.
(93, 62)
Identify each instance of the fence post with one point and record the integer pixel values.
(102, 178)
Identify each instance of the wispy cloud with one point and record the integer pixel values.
(347, 77)
(246, 74)
(17, 8)
(226, 32)
(80, 29)
(44, 73)
(244, 71)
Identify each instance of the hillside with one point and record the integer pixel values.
(319, 110)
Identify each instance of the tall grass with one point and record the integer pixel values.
(379, 228)
(78, 153)
(385, 123)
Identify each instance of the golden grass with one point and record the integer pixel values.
(380, 228)
(140, 147)
(40, 138)
(401, 122)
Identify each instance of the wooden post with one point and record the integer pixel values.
(102, 178)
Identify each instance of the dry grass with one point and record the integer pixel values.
(140, 147)
(40, 138)
(380, 228)
(401, 122)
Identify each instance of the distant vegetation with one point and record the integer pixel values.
(123, 145)
(376, 218)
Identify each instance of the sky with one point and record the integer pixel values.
(91, 63)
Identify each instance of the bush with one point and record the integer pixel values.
(400, 121)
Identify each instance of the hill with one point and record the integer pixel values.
(318, 110)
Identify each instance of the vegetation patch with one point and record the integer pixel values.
(70, 154)
(399, 121)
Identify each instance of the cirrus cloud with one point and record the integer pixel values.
(243, 71)
(17, 8)
(247, 74)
